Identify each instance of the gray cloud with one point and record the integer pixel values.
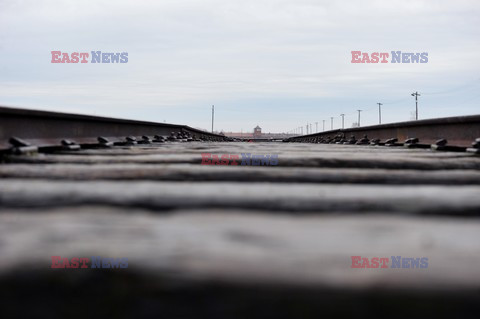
(274, 63)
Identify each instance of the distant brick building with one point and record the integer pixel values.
(257, 132)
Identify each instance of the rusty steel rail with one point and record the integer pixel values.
(42, 129)
(459, 132)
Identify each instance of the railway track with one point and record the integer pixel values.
(457, 134)
(31, 130)
(257, 241)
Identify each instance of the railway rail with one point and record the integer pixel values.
(458, 134)
(30, 130)
(217, 241)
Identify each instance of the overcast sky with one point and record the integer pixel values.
(276, 63)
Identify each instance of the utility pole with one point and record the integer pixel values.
(324, 125)
(306, 128)
(316, 127)
(416, 95)
(213, 113)
(331, 120)
(379, 113)
(359, 117)
(301, 130)
(343, 120)
(311, 128)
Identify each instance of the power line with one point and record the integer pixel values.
(458, 88)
